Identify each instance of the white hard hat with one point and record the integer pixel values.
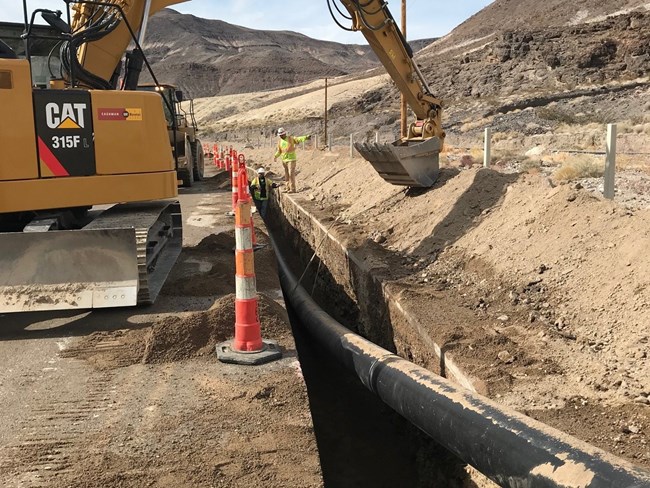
(261, 171)
(281, 131)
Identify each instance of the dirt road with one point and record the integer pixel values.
(135, 397)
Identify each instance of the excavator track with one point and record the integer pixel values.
(121, 258)
(158, 238)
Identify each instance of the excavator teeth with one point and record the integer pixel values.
(408, 164)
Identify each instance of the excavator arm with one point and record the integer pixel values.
(101, 36)
(412, 161)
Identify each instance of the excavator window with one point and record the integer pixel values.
(44, 52)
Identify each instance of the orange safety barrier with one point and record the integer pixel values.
(248, 332)
(241, 159)
(228, 159)
(247, 347)
(235, 180)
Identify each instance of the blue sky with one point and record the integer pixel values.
(425, 18)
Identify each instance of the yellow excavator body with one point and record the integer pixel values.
(79, 147)
(86, 171)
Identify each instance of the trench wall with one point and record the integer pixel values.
(347, 277)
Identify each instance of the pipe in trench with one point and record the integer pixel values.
(509, 448)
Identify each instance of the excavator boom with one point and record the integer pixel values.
(91, 19)
(414, 160)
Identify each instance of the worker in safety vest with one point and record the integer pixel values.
(287, 150)
(261, 189)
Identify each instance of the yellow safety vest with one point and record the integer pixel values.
(287, 147)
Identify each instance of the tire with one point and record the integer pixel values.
(187, 174)
(199, 160)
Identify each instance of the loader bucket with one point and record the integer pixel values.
(406, 163)
(72, 269)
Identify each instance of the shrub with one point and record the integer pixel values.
(580, 168)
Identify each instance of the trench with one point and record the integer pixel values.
(361, 441)
(364, 442)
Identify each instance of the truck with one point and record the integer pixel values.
(183, 133)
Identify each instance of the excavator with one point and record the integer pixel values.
(413, 160)
(86, 168)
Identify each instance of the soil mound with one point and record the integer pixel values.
(176, 338)
(216, 254)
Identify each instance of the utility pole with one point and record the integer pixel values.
(325, 138)
(402, 97)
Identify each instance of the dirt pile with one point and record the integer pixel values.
(176, 337)
(209, 267)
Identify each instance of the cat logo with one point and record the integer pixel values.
(65, 116)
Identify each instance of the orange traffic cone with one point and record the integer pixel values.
(247, 347)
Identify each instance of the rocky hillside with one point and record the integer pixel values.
(211, 57)
(548, 67)
(594, 64)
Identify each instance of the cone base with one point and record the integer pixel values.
(270, 352)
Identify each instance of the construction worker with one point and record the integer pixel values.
(261, 189)
(287, 149)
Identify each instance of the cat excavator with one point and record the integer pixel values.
(86, 168)
(412, 160)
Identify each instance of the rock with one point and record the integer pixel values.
(634, 429)
(503, 318)
(642, 399)
(505, 357)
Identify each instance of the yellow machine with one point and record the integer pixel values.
(413, 160)
(80, 142)
(183, 133)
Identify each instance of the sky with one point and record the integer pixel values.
(425, 18)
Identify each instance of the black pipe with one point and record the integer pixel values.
(509, 448)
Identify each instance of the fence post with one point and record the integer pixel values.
(351, 146)
(377, 137)
(486, 147)
(610, 162)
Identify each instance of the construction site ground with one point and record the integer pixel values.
(537, 288)
(136, 397)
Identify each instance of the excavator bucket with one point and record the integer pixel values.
(406, 163)
(108, 263)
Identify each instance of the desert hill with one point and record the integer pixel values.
(211, 57)
(526, 68)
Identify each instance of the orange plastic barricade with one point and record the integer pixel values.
(247, 347)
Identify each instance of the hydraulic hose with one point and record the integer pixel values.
(509, 448)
